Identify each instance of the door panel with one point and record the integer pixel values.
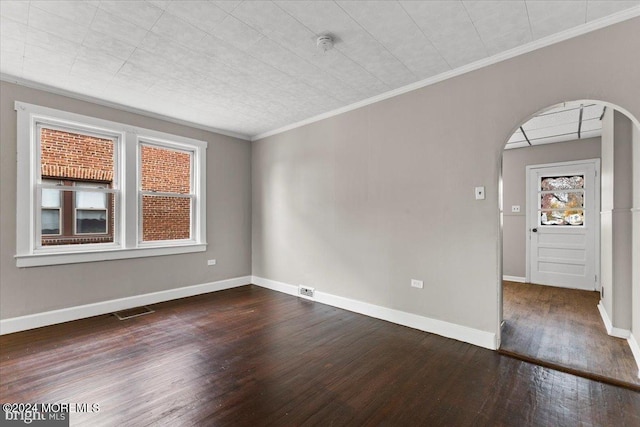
(568, 254)
(566, 268)
(563, 224)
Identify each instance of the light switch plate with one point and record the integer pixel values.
(479, 193)
(417, 283)
(515, 208)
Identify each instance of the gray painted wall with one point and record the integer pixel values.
(514, 162)
(359, 204)
(616, 219)
(635, 251)
(606, 207)
(33, 290)
(622, 226)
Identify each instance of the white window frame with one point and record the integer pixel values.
(193, 184)
(29, 252)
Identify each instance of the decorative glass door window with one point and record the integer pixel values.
(561, 200)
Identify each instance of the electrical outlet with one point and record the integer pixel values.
(515, 208)
(211, 262)
(417, 283)
(305, 291)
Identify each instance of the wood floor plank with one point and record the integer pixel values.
(563, 327)
(251, 357)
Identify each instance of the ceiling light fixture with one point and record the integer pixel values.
(324, 43)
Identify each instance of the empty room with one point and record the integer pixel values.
(320, 213)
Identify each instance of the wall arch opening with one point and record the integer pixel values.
(563, 134)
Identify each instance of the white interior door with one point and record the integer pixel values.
(563, 220)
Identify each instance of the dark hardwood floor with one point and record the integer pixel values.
(563, 328)
(250, 356)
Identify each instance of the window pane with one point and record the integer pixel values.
(165, 170)
(50, 220)
(77, 159)
(166, 218)
(562, 183)
(67, 155)
(91, 200)
(50, 198)
(562, 200)
(562, 217)
(91, 221)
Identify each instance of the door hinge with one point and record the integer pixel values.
(596, 278)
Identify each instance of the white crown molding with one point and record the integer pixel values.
(503, 56)
(98, 101)
(32, 321)
(439, 327)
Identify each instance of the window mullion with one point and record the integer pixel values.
(129, 192)
(199, 187)
(572, 191)
(166, 194)
(74, 188)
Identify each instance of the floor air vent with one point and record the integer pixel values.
(305, 291)
(132, 312)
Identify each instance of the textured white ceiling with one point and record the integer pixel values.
(252, 66)
(565, 122)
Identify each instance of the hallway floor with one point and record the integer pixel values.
(562, 328)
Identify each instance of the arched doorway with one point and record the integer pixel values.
(547, 201)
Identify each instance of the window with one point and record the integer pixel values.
(91, 210)
(167, 198)
(50, 213)
(75, 212)
(90, 189)
(561, 200)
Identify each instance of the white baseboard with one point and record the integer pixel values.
(514, 279)
(635, 349)
(611, 330)
(450, 330)
(47, 318)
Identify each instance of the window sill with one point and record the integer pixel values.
(58, 258)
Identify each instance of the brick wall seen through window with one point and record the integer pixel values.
(165, 217)
(73, 159)
(70, 159)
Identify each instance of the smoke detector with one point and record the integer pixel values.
(324, 43)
